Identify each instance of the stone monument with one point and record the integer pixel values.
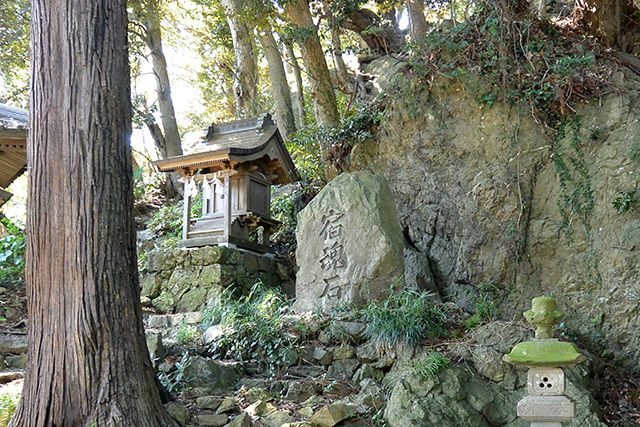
(546, 405)
(350, 244)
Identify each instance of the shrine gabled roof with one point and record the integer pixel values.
(240, 141)
(13, 146)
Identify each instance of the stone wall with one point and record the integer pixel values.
(183, 280)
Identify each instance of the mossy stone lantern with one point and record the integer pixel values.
(545, 356)
(237, 163)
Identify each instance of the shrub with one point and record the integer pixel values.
(9, 398)
(12, 250)
(404, 320)
(253, 326)
(429, 365)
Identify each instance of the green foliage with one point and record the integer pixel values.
(253, 326)
(9, 399)
(310, 142)
(15, 18)
(577, 195)
(404, 320)
(625, 201)
(167, 222)
(486, 297)
(189, 335)
(175, 380)
(429, 365)
(505, 58)
(12, 251)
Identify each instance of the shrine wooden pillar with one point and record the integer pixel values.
(186, 214)
(228, 205)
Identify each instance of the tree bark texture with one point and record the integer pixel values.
(381, 37)
(418, 25)
(88, 360)
(324, 98)
(245, 85)
(279, 84)
(298, 96)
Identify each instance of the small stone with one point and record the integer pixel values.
(306, 353)
(250, 263)
(354, 331)
(277, 419)
(282, 271)
(344, 352)
(17, 362)
(367, 371)
(229, 404)
(242, 420)
(209, 402)
(158, 321)
(322, 356)
(214, 420)
(306, 412)
(367, 353)
(13, 343)
(343, 369)
(332, 414)
(256, 394)
(260, 409)
(213, 333)
(177, 412)
(305, 371)
(301, 391)
(193, 318)
(155, 346)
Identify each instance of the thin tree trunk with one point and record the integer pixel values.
(298, 95)
(418, 24)
(324, 98)
(344, 75)
(279, 85)
(246, 76)
(165, 102)
(88, 360)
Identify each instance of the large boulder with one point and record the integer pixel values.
(350, 244)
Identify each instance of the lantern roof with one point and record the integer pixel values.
(226, 145)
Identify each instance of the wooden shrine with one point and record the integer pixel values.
(236, 163)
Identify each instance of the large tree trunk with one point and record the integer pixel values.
(298, 96)
(88, 360)
(604, 18)
(246, 75)
(324, 98)
(381, 37)
(279, 85)
(418, 24)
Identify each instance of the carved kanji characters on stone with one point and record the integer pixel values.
(333, 257)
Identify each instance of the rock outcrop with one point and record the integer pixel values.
(503, 212)
(350, 246)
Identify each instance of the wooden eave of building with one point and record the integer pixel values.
(239, 142)
(4, 196)
(13, 147)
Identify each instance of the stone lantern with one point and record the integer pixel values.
(545, 356)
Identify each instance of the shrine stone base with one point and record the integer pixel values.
(183, 280)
